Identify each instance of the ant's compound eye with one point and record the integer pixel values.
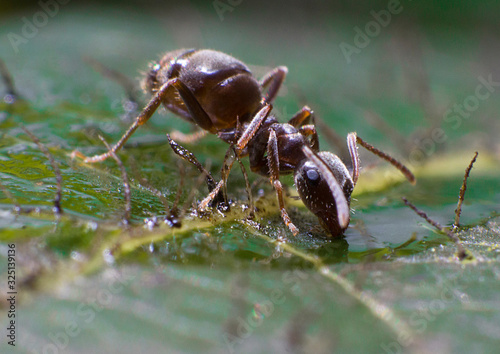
(154, 66)
(150, 83)
(312, 176)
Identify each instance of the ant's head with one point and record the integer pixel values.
(150, 83)
(165, 69)
(325, 186)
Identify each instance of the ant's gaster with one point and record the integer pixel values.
(219, 94)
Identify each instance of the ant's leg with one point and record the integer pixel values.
(211, 196)
(247, 185)
(147, 112)
(274, 79)
(310, 130)
(252, 128)
(273, 161)
(301, 121)
(188, 138)
(143, 117)
(226, 168)
(229, 158)
(11, 95)
(189, 157)
(302, 117)
(402, 168)
(128, 85)
(200, 117)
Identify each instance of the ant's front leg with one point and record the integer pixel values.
(247, 135)
(274, 79)
(188, 138)
(273, 162)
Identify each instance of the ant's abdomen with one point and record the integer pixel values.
(224, 87)
(237, 97)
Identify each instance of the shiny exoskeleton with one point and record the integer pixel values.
(219, 94)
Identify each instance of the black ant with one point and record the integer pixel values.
(219, 94)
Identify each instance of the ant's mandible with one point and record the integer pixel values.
(219, 94)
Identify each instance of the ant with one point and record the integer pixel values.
(219, 94)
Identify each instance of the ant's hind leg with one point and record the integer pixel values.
(197, 112)
(143, 117)
(273, 162)
(274, 79)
